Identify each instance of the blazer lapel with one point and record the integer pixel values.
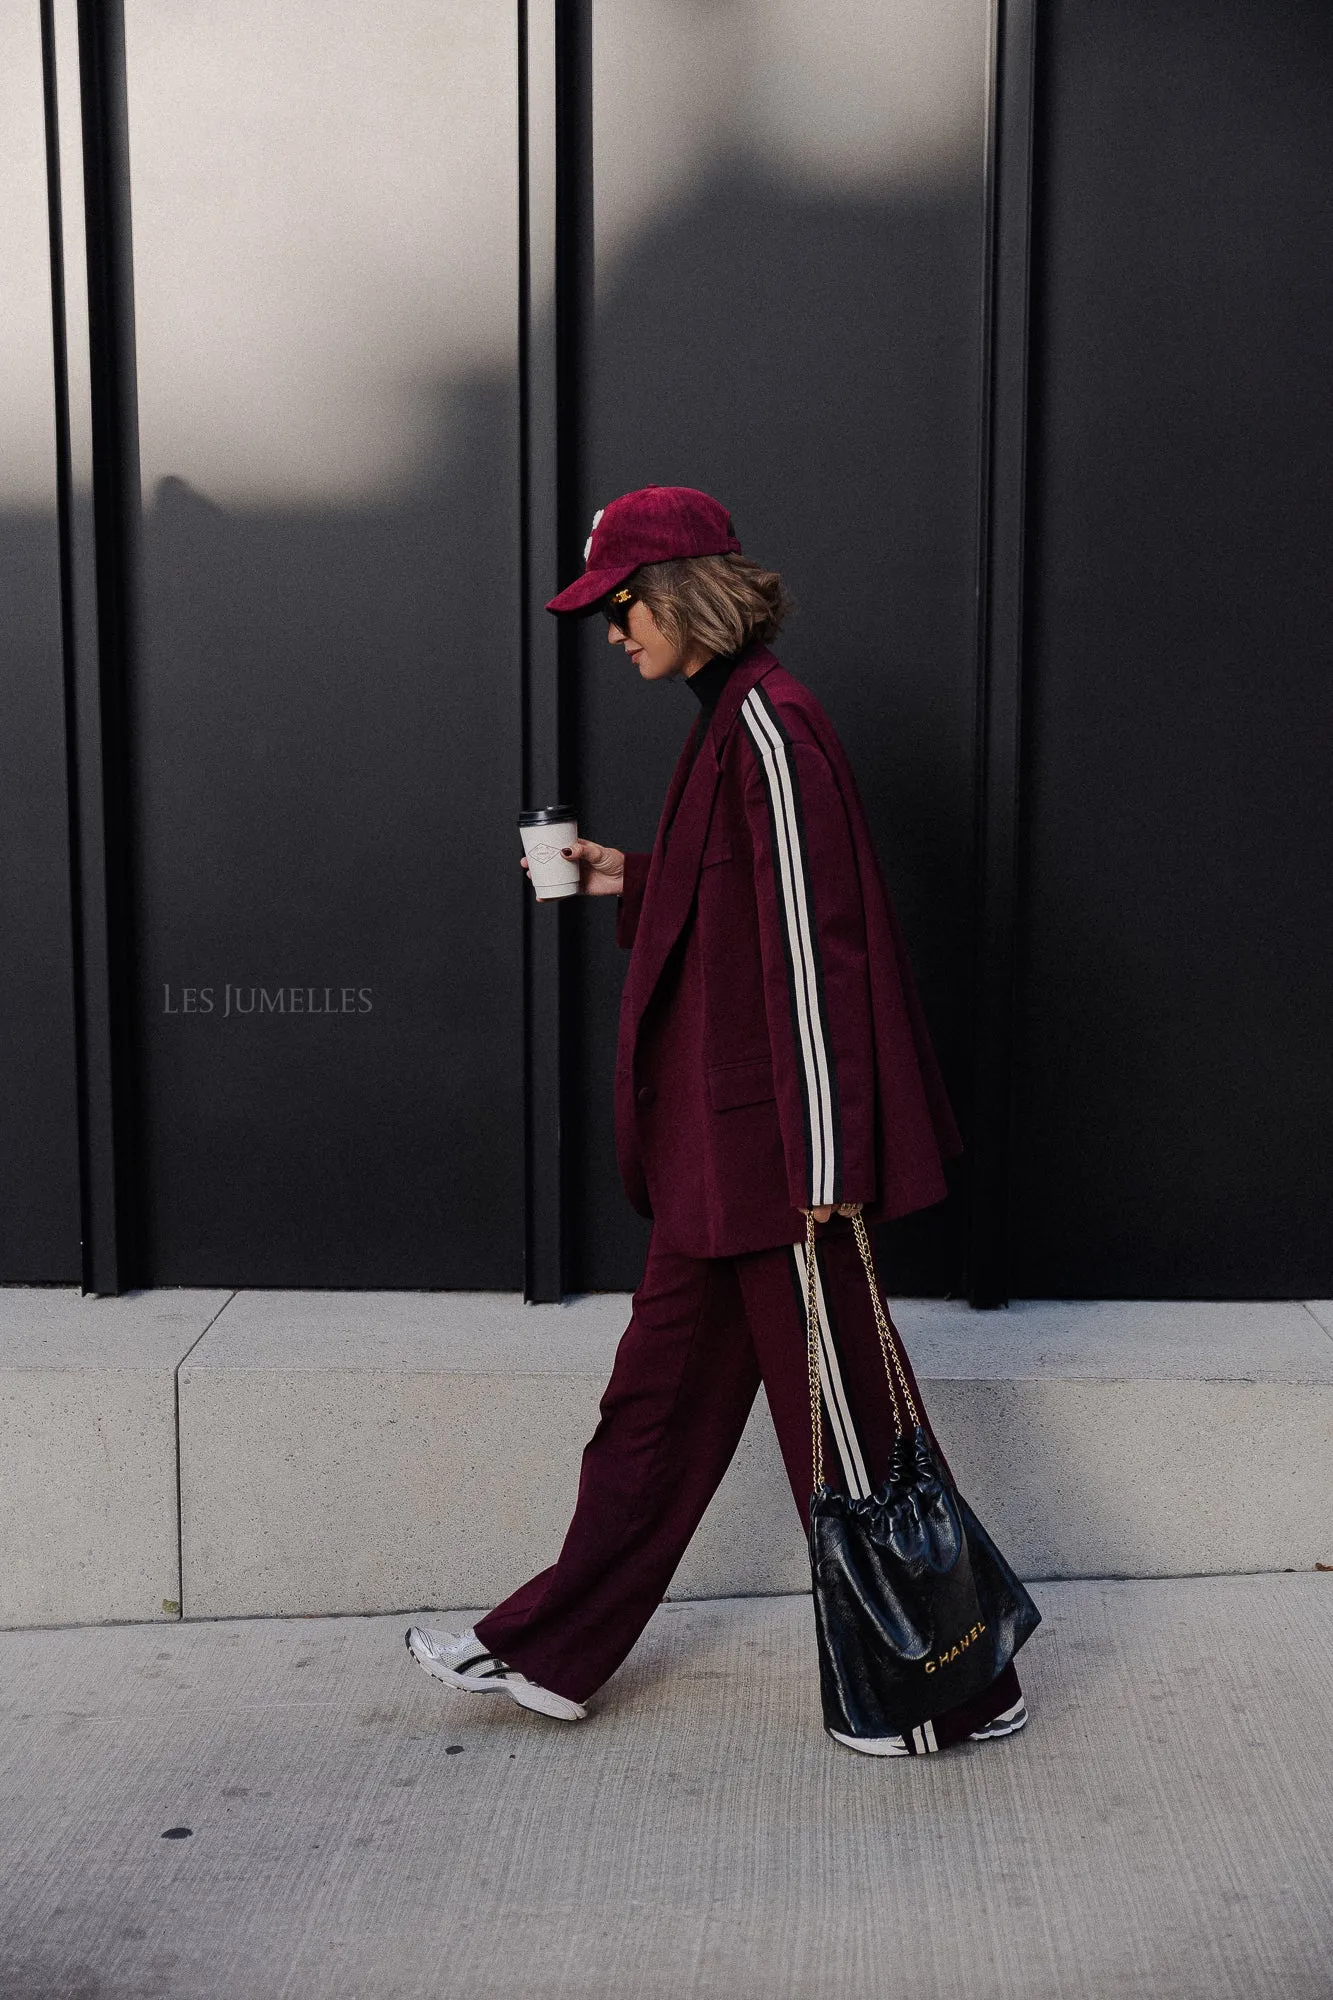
(679, 778)
(673, 875)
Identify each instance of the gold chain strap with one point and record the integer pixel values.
(888, 1346)
(812, 1354)
(888, 1339)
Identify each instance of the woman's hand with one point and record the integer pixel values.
(601, 869)
(844, 1208)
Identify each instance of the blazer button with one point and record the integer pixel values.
(645, 1094)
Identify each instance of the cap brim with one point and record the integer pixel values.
(588, 590)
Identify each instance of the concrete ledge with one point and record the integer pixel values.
(88, 1452)
(359, 1452)
(363, 1452)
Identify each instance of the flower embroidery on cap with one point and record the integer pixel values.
(587, 546)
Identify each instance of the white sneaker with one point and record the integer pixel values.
(1008, 1724)
(460, 1660)
(876, 1746)
(921, 1741)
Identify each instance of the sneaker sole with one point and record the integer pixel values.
(993, 1731)
(544, 1701)
(888, 1746)
(541, 1701)
(872, 1746)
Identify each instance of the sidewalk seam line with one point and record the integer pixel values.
(176, 1403)
(1326, 1331)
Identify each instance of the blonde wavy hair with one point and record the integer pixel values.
(721, 603)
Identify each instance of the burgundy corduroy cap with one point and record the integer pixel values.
(656, 524)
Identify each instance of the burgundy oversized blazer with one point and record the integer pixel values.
(772, 1054)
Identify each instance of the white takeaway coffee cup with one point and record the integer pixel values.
(545, 832)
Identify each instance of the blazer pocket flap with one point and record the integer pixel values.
(732, 1084)
(719, 851)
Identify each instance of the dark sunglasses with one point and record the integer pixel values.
(615, 608)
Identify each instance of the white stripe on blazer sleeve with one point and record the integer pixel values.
(800, 939)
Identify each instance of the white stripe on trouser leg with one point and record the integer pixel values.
(835, 1394)
(797, 918)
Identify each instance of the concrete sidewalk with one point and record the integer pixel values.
(1164, 1828)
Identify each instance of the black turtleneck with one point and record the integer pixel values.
(709, 681)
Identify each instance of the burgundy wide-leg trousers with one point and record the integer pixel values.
(705, 1332)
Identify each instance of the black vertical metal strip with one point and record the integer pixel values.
(69, 650)
(541, 954)
(573, 311)
(999, 766)
(100, 673)
(555, 284)
(574, 265)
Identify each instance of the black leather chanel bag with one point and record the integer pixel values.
(915, 1607)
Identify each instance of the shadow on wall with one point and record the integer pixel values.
(815, 362)
(327, 721)
(39, 1160)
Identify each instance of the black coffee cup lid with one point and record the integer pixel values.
(547, 816)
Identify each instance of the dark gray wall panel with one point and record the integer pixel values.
(804, 342)
(326, 709)
(1175, 1093)
(39, 1176)
(326, 751)
(39, 1173)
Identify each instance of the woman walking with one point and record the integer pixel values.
(773, 1062)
